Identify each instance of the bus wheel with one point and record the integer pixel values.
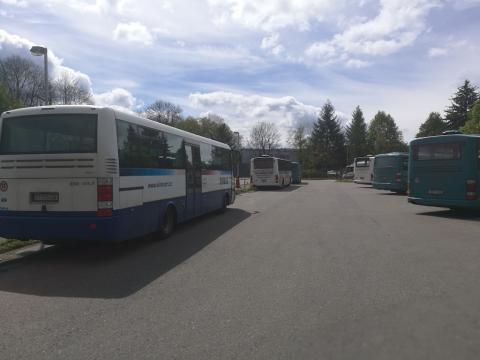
(224, 204)
(168, 223)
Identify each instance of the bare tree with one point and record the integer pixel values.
(264, 137)
(68, 91)
(164, 112)
(23, 80)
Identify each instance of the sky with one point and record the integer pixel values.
(251, 61)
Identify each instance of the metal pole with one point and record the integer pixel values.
(47, 95)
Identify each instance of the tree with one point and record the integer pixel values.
(472, 126)
(23, 80)
(328, 141)
(264, 137)
(68, 91)
(215, 129)
(434, 125)
(164, 112)
(356, 135)
(462, 103)
(5, 102)
(299, 141)
(383, 135)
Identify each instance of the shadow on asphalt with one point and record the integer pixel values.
(275, 189)
(460, 214)
(116, 270)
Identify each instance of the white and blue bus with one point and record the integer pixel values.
(95, 173)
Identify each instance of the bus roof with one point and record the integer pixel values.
(445, 138)
(268, 157)
(392, 154)
(120, 114)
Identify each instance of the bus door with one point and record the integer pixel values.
(194, 181)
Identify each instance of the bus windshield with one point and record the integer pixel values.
(53, 133)
(263, 163)
(438, 151)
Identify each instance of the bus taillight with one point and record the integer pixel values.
(105, 197)
(398, 177)
(471, 189)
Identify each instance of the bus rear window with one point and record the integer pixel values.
(49, 134)
(440, 151)
(362, 162)
(260, 163)
(386, 161)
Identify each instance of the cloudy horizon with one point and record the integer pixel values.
(247, 61)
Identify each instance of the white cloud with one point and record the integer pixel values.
(272, 44)
(272, 15)
(133, 32)
(321, 51)
(19, 3)
(357, 63)
(436, 52)
(119, 98)
(398, 24)
(242, 112)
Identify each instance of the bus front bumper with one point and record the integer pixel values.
(59, 228)
(445, 203)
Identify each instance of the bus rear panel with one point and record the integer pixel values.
(363, 170)
(267, 171)
(443, 171)
(390, 172)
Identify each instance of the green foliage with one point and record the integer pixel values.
(299, 140)
(383, 135)
(434, 125)
(472, 126)
(212, 129)
(356, 135)
(462, 103)
(5, 102)
(327, 141)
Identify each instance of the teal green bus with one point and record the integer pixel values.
(444, 171)
(390, 172)
(296, 173)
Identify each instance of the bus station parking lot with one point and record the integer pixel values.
(315, 271)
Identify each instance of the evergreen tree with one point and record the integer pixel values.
(462, 103)
(327, 140)
(434, 125)
(356, 136)
(383, 135)
(472, 126)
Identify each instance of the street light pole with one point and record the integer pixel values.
(39, 51)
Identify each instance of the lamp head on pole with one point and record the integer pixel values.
(38, 50)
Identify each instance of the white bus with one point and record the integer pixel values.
(270, 171)
(363, 169)
(95, 173)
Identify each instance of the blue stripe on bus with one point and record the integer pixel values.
(147, 172)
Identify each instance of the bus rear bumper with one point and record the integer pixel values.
(398, 187)
(445, 203)
(60, 229)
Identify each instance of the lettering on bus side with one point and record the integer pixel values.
(224, 180)
(160, 184)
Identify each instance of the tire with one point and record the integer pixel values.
(224, 204)
(168, 223)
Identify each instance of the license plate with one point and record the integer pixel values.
(436, 192)
(44, 197)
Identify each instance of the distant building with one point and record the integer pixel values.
(247, 154)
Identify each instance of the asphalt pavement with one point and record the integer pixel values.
(323, 270)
